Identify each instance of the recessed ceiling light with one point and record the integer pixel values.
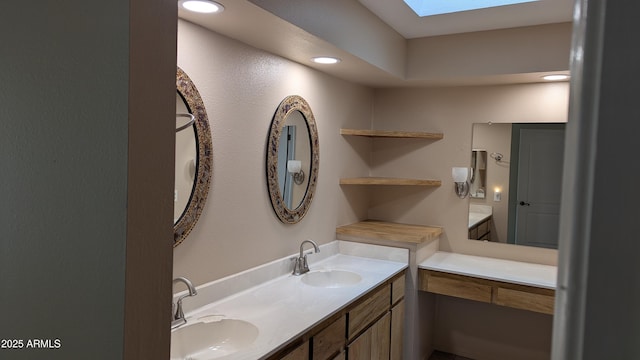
(555, 77)
(325, 60)
(202, 6)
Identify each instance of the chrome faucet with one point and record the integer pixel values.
(301, 266)
(178, 315)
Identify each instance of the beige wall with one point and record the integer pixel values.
(529, 49)
(452, 111)
(241, 88)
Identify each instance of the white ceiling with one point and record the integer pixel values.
(400, 17)
(246, 21)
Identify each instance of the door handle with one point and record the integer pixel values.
(522, 203)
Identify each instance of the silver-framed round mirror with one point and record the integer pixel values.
(292, 159)
(194, 157)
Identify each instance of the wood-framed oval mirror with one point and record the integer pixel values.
(194, 157)
(292, 159)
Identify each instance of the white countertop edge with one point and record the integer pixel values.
(516, 272)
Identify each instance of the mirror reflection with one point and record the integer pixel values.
(186, 158)
(478, 177)
(194, 157)
(523, 183)
(292, 159)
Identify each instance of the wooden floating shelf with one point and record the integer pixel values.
(389, 181)
(392, 134)
(380, 230)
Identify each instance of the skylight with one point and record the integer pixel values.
(438, 7)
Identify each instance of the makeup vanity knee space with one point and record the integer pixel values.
(525, 286)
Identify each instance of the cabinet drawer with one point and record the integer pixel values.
(369, 310)
(483, 228)
(455, 286)
(330, 341)
(537, 300)
(397, 289)
(299, 353)
(517, 296)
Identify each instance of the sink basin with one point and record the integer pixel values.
(331, 278)
(210, 340)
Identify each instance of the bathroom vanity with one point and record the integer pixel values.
(352, 297)
(509, 283)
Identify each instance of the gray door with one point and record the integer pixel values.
(539, 187)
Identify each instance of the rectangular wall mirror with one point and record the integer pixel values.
(515, 184)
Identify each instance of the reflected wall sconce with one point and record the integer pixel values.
(294, 167)
(460, 177)
(496, 156)
(189, 122)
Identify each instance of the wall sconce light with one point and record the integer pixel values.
(497, 193)
(460, 176)
(294, 167)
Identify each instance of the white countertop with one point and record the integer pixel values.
(478, 214)
(477, 218)
(284, 307)
(523, 273)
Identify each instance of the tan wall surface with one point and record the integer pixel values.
(451, 111)
(528, 49)
(241, 88)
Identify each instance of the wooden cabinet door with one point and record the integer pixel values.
(397, 331)
(360, 348)
(381, 338)
(374, 343)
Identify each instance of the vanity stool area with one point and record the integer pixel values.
(486, 308)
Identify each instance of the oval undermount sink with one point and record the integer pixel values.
(211, 340)
(331, 278)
